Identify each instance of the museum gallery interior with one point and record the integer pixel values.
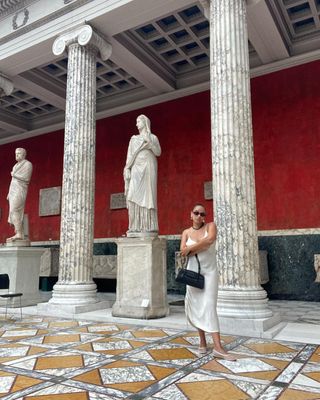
(231, 91)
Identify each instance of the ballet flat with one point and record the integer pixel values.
(202, 350)
(227, 356)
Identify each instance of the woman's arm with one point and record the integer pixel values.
(183, 247)
(205, 242)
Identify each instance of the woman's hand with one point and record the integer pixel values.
(185, 251)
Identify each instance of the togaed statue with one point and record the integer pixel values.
(21, 175)
(140, 177)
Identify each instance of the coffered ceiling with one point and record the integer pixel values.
(160, 52)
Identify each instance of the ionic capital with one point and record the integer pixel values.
(206, 8)
(82, 35)
(6, 86)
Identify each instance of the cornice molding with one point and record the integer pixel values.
(11, 6)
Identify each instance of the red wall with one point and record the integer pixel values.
(286, 122)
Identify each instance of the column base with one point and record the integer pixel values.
(73, 294)
(243, 304)
(141, 278)
(260, 328)
(68, 310)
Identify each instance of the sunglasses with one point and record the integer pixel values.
(196, 213)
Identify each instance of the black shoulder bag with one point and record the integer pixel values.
(189, 277)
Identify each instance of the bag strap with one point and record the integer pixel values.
(199, 266)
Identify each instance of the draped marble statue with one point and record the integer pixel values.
(21, 175)
(140, 177)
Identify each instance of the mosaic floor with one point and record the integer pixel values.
(60, 359)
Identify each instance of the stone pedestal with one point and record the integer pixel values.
(22, 264)
(141, 278)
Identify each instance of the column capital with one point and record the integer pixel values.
(6, 86)
(82, 35)
(206, 8)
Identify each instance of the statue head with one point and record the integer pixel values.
(143, 124)
(20, 154)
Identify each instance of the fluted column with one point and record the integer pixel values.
(240, 294)
(75, 284)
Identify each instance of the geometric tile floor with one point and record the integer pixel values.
(63, 359)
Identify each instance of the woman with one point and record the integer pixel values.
(201, 304)
(140, 176)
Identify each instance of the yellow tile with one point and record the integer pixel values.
(23, 382)
(84, 347)
(35, 350)
(180, 340)
(90, 377)
(160, 372)
(135, 344)
(149, 333)
(121, 364)
(280, 364)
(4, 359)
(63, 324)
(267, 348)
(64, 396)
(291, 394)
(59, 362)
(313, 375)
(61, 338)
(267, 375)
(42, 332)
(132, 387)
(215, 366)
(227, 339)
(208, 390)
(3, 373)
(171, 354)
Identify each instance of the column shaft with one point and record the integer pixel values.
(233, 163)
(76, 239)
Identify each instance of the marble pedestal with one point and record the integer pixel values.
(141, 278)
(22, 264)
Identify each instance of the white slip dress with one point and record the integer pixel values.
(201, 304)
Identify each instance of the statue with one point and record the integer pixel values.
(140, 177)
(21, 175)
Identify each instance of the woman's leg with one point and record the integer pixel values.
(217, 342)
(202, 335)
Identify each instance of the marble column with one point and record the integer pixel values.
(240, 294)
(75, 285)
(6, 86)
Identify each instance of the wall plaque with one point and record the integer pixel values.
(117, 201)
(208, 190)
(50, 201)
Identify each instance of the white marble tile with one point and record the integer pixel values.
(123, 375)
(246, 365)
(121, 345)
(305, 381)
(6, 383)
(289, 372)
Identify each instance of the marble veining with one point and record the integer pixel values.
(233, 167)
